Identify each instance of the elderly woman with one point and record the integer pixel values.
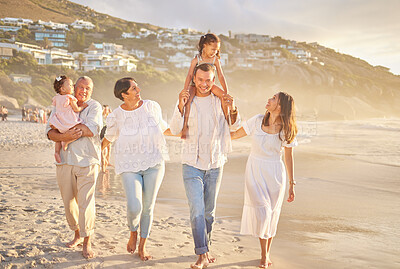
(137, 127)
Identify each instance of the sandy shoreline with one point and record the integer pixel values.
(343, 217)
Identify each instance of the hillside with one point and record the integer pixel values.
(62, 11)
(338, 86)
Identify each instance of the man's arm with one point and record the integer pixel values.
(70, 135)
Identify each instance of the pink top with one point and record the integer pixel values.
(64, 117)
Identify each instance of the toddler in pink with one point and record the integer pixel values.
(66, 113)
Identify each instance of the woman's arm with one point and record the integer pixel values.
(221, 76)
(238, 133)
(289, 163)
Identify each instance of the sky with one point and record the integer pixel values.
(366, 29)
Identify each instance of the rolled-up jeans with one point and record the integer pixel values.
(141, 190)
(202, 187)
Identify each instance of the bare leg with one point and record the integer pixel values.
(108, 154)
(265, 251)
(144, 255)
(217, 91)
(104, 160)
(76, 241)
(185, 129)
(131, 246)
(87, 251)
(57, 155)
(202, 262)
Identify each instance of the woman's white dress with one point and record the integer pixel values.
(265, 181)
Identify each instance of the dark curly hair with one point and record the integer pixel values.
(58, 82)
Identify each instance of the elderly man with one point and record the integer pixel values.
(204, 154)
(79, 167)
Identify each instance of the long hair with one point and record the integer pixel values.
(207, 39)
(287, 115)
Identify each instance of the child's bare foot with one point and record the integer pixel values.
(87, 250)
(57, 157)
(131, 246)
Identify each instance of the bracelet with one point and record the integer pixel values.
(292, 182)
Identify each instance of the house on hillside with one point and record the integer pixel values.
(21, 78)
(16, 21)
(8, 28)
(180, 60)
(106, 48)
(54, 25)
(57, 37)
(81, 24)
(5, 52)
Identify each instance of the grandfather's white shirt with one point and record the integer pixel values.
(209, 141)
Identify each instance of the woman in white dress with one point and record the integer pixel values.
(137, 128)
(265, 177)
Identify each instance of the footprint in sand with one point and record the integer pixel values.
(238, 249)
(235, 239)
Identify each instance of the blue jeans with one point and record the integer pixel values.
(202, 187)
(141, 190)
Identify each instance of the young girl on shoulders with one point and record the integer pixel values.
(66, 113)
(209, 52)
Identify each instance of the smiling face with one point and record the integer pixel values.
(204, 80)
(210, 49)
(83, 90)
(273, 104)
(132, 95)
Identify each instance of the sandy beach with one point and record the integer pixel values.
(345, 214)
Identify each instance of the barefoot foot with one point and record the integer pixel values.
(210, 258)
(265, 263)
(76, 241)
(202, 262)
(144, 255)
(131, 246)
(87, 250)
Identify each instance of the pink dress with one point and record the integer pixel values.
(64, 117)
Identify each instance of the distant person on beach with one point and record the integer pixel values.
(66, 113)
(4, 114)
(105, 160)
(137, 128)
(265, 179)
(209, 52)
(23, 114)
(204, 154)
(79, 167)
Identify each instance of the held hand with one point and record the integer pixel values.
(229, 102)
(73, 134)
(183, 98)
(291, 194)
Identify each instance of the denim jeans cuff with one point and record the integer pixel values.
(201, 250)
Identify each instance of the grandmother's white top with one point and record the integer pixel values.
(138, 136)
